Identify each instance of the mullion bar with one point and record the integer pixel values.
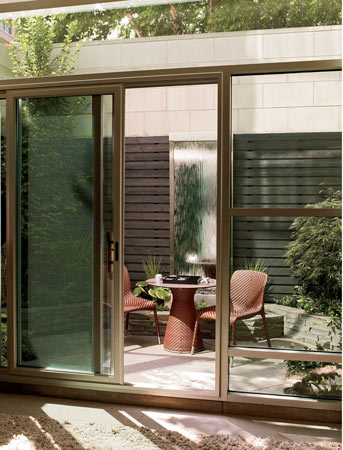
(295, 355)
(11, 230)
(118, 133)
(145, 78)
(2, 99)
(223, 232)
(97, 231)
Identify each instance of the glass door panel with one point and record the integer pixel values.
(55, 233)
(65, 283)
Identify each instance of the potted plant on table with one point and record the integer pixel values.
(158, 294)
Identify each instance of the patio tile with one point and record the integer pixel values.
(149, 365)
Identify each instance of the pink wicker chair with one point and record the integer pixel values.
(133, 303)
(247, 290)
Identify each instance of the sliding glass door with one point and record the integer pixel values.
(64, 264)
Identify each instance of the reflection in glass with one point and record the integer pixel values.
(275, 376)
(55, 233)
(302, 257)
(3, 298)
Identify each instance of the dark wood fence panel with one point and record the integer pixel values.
(270, 170)
(147, 203)
(280, 171)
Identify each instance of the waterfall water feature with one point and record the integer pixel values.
(195, 189)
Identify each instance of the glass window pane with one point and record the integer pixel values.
(286, 139)
(302, 300)
(55, 233)
(3, 298)
(275, 376)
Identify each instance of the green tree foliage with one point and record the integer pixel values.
(33, 53)
(268, 14)
(3, 340)
(315, 258)
(55, 189)
(56, 201)
(195, 17)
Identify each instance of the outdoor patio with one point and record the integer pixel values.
(147, 364)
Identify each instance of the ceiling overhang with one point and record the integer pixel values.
(22, 6)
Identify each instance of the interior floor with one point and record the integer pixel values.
(189, 424)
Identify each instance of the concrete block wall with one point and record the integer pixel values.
(213, 49)
(283, 322)
(165, 110)
(261, 104)
(285, 103)
(249, 330)
(306, 328)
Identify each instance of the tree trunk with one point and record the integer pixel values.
(176, 20)
(133, 22)
(211, 9)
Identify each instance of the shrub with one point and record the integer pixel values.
(315, 256)
(325, 381)
(287, 300)
(296, 367)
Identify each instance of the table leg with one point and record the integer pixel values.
(180, 325)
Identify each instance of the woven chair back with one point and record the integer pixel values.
(247, 291)
(127, 282)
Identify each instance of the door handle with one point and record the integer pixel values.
(116, 251)
(110, 252)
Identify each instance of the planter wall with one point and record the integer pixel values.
(283, 322)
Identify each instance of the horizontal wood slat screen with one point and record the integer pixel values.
(282, 171)
(147, 203)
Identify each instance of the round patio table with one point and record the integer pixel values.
(181, 321)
